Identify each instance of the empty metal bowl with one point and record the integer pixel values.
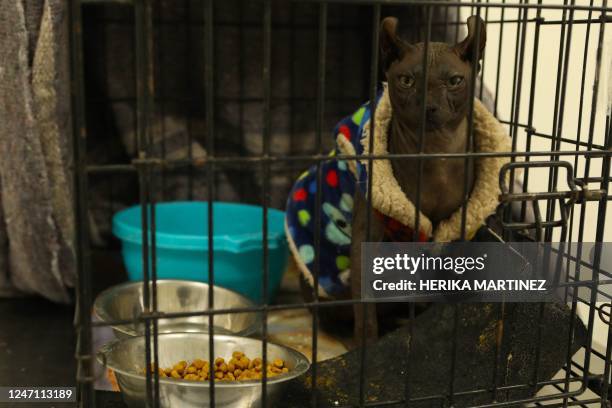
(125, 301)
(126, 357)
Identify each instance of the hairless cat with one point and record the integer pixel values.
(447, 101)
(409, 106)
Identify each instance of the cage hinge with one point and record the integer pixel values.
(603, 311)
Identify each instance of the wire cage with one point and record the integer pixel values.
(269, 79)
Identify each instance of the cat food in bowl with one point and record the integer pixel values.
(126, 358)
(237, 368)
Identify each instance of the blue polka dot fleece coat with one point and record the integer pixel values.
(341, 177)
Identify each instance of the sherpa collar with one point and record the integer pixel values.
(388, 197)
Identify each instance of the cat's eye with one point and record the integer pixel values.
(406, 81)
(455, 80)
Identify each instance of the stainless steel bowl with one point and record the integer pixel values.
(126, 357)
(125, 301)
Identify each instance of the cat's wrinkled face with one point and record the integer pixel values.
(449, 76)
(447, 90)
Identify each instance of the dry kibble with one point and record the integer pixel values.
(239, 364)
(161, 371)
(238, 368)
(198, 363)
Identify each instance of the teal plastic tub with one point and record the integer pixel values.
(182, 244)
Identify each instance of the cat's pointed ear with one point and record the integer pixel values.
(392, 46)
(475, 40)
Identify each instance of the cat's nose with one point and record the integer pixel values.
(431, 113)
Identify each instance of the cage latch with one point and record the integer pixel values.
(577, 193)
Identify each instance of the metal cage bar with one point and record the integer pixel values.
(84, 349)
(210, 180)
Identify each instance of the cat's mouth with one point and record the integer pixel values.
(433, 124)
(432, 120)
